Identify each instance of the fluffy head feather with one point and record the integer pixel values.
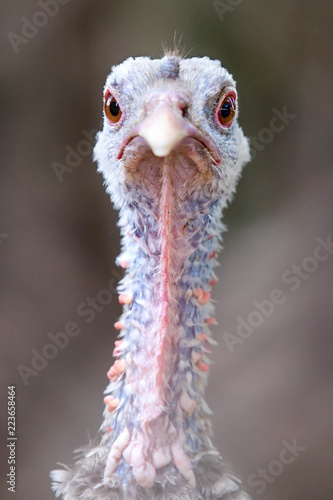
(203, 82)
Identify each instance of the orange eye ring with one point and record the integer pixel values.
(112, 109)
(226, 110)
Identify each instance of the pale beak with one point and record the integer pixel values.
(163, 129)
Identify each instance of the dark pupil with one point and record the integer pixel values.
(114, 108)
(225, 110)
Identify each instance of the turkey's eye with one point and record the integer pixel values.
(227, 109)
(112, 109)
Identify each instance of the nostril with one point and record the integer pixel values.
(181, 101)
(184, 111)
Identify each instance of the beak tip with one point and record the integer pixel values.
(162, 130)
(160, 144)
(160, 152)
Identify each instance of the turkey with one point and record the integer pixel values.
(171, 153)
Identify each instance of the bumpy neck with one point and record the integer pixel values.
(155, 397)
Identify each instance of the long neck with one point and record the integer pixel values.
(156, 404)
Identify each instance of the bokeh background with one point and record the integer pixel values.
(59, 240)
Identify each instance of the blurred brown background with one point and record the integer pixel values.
(58, 240)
